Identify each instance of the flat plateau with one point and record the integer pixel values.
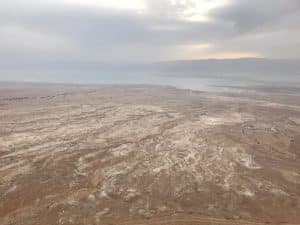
(148, 155)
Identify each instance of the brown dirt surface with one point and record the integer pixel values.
(147, 155)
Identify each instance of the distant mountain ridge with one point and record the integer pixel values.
(232, 66)
(245, 69)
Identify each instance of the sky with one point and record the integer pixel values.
(41, 33)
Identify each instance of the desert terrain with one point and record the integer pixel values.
(135, 155)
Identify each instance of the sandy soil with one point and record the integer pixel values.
(147, 155)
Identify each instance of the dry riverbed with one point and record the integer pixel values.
(147, 155)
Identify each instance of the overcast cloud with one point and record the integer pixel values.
(35, 33)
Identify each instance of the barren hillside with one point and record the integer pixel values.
(148, 155)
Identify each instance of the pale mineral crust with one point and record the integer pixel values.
(147, 155)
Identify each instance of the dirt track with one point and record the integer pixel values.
(190, 219)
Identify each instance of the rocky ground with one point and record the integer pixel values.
(148, 155)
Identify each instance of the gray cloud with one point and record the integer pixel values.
(102, 27)
(248, 15)
(35, 35)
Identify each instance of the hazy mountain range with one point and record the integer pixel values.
(285, 70)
